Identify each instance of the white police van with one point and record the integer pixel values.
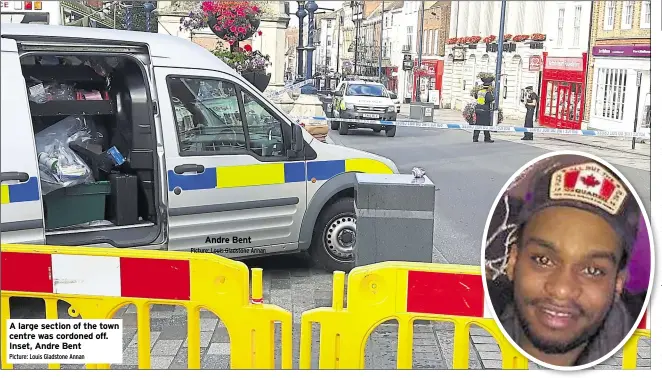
(141, 140)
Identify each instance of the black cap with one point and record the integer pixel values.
(529, 87)
(586, 185)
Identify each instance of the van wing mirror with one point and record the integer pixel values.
(297, 141)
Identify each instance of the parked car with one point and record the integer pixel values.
(358, 99)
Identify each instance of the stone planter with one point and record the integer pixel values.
(259, 79)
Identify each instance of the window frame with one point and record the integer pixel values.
(608, 22)
(577, 26)
(642, 24)
(624, 15)
(285, 131)
(560, 26)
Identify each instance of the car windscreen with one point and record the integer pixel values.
(366, 90)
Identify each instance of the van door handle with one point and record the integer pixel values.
(14, 176)
(197, 168)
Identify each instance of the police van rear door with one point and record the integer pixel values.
(20, 195)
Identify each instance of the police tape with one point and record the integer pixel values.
(506, 129)
(271, 95)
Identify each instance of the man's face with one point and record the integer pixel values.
(565, 276)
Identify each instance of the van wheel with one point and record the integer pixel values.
(343, 128)
(334, 237)
(390, 132)
(334, 125)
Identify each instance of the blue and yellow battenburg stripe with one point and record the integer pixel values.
(22, 192)
(272, 173)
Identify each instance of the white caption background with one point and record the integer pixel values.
(65, 341)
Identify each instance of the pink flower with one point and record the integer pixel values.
(242, 29)
(233, 29)
(217, 28)
(259, 32)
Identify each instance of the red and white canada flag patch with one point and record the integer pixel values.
(589, 183)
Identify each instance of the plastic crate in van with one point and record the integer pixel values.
(76, 205)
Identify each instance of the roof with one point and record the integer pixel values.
(165, 50)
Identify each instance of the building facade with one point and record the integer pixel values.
(408, 29)
(619, 66)
(471, 49)
(291, 43)
(564, 64)
(436, 22)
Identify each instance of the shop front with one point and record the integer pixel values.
(621, 87)
(562, 91)
(392, 79)
(431, 80)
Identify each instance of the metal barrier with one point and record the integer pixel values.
(404, 292)
(113, 278)
(407, 292)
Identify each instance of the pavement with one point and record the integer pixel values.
(468, 176)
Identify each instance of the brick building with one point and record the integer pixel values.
(436, 24)
(619, 66)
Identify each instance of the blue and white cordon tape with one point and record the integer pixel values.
(511, 129)
(272, 95)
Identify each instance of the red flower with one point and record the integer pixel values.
(248, 48)
(233, 29)
(259, 33)
(241, 29)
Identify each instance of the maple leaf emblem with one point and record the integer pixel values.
(590, 181)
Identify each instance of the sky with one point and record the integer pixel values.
(294, 21)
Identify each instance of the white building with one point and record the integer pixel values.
(407, 24)
(326, 54)
(466, 61)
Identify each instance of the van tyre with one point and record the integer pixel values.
(334, 125)
(390, 131)
(334, 237)
(343, 128)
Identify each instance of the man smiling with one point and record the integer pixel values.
(568, 265)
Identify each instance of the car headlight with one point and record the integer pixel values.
(349, 106)
(391, 108)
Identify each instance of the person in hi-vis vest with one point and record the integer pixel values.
(484, 100)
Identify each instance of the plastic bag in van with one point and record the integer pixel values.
(59, 165)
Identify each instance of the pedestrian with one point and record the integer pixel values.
(530, 104)
(566, 267)
(484, 100)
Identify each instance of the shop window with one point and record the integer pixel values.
(610, 96)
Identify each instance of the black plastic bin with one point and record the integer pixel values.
(75, 205)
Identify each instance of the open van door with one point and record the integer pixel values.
(20, 194)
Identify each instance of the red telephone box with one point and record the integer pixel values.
(562, 92)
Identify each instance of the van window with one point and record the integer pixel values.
(367, 90)
(207, 116)
(264, 130)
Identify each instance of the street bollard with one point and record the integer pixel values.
(394, 218)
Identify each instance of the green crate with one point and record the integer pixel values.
(76, 204)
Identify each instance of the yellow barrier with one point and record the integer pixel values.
(405, 292)
(399, 291)
(99, 281)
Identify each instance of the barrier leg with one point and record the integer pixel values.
(193, 331)
(4, 315)
(630, 353)
(461, 346)
(405, 344)
(305, 344)
(286, 343)
(51, 313)
(142, 314)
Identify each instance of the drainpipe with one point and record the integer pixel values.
(588, 60)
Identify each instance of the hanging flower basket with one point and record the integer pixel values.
(507, 37)
(474, 39)
(232, 21)
(251, 64)
(452, 41)
(539, 37)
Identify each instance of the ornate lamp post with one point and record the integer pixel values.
(311, 7)
(149, 8)
(301, 13)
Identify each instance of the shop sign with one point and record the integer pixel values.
(643, 51)
(564, 64)
(407, 63)
(535, 63)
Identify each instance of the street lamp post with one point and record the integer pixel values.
(149, 8)
(497, 76)
(420, 52)
(301, 13)
(311, 7)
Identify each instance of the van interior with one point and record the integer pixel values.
(95, 136)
